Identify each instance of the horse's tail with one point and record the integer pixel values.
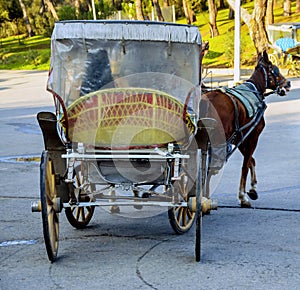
(209, 131)
(204, 107)
(202, 134)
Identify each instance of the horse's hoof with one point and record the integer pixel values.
(245, 204)
(139, 207)
(114, 209)
(252, 194)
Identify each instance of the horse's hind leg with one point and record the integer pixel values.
(252, 192)
(244, 201)
(247, 148)
(248, 163)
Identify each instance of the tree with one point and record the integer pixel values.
(298, 6)
(4, 13)
(51, 8)
(222, 4)
(139, 10)
(14, 14)
(269, 13)
(14, 11)
(26, 19)
(255, 23)
(287, 8)
(158, 10)
(258, 31)
(188, 12)
(212, 8)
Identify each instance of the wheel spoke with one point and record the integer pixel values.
(184, 223)
(79, 217)
(180, 215)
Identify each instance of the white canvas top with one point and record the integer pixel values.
(117, 30)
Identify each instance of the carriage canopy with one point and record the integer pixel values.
(136, 78)
(91, 55)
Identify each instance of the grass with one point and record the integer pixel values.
(22, 53)
(34, 53)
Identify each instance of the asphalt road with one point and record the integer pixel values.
(256, 248)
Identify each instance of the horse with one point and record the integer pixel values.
(233, 127)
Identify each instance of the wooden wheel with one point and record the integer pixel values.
(200, 186)
(49, 206)
(182, 218)
(79, 217)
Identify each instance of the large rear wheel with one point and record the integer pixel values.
(50, 205)
(202, 156)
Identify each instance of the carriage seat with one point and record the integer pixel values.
(285, 44)
(127, 118)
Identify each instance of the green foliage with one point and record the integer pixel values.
(129, 9)
(104, 8)
(14, 10)
(43, 24)
(67, 13)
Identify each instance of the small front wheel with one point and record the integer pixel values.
(181, 217)
(79, 217)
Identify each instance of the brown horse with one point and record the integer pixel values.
(234, 127)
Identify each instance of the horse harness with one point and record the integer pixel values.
(239, 130)
(273, 72)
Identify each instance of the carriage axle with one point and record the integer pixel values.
(206, 204)
(36, 206)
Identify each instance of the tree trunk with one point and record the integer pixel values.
(158, 10)
(77, 7)
(270, 14)
(51, 8)
(222, 4)
(255, 23)
(188, 12)
(298, 6)
(231, 14)
(258, 30)
(139, 10)
(287, 8)
(212, 8)
(245, 15)
(26, 19)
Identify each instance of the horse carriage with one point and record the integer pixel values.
(126, 100)
(131, 130)
(285, 40)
